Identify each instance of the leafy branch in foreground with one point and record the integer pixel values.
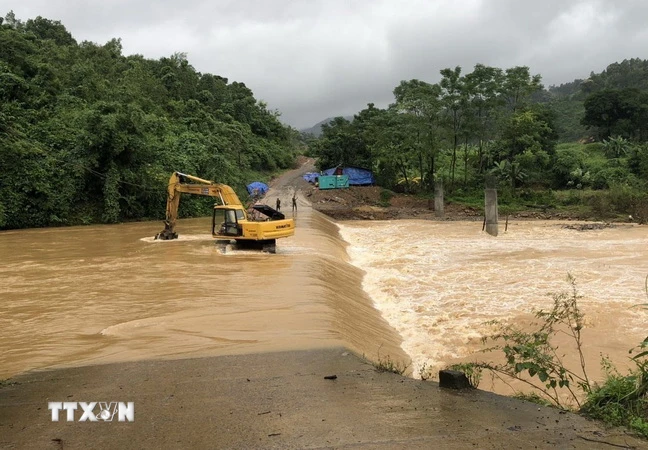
(623, 399)
(532, 358)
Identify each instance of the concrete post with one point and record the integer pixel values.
(438, 199)
(490, 211)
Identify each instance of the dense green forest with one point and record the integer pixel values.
(582, 144)
(89, 135)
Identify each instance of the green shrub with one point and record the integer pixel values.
(567, 159)
(601, 205)
(531, 358)
(621, 400)
(385, 197)
(606, 178)
(567, 198)
(594, 147)
(619, 200)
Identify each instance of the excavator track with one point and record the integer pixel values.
(270, 247)
(266, 246)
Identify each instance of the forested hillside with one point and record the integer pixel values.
(90, 135)
(628, 79)
(546, 147)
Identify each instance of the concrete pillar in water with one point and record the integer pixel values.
(438, 198)
(490, 211)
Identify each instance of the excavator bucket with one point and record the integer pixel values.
(167, 234)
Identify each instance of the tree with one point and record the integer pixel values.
(49, 29)
(395, 147)
(618, 112)
(527, 140)
(483, 85)
(454, 98)
(340, 144)
(420, 102)
(603, 110)
(89, 135)
(518, 86)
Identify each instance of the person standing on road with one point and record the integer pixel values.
(294, 202)
(278, 204)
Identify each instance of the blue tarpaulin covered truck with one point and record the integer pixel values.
(341, 177)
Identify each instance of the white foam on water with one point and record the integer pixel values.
(438, 284)
(181, 238)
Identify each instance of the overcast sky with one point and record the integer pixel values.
(313, 59)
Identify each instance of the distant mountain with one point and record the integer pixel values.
(316, 129)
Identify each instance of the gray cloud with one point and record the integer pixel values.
(315, 59)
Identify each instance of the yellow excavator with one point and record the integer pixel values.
(230, 221)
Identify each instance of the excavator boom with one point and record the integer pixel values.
(177, 185)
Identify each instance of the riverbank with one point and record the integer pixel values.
(281, 400)
(374, 203)
(377, 203)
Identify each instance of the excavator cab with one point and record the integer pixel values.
(225, 221)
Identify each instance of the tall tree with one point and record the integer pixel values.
(420, 102)
(484, 84)
(454, 98)
(518, 86)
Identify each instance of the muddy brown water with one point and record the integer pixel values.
(403, 289)
(98, 294)
(439, 283)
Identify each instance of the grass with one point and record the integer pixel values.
(532, 397)
(472, 372)
(621, 400)
(8, 382)
(616, 203)
(386, 364)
